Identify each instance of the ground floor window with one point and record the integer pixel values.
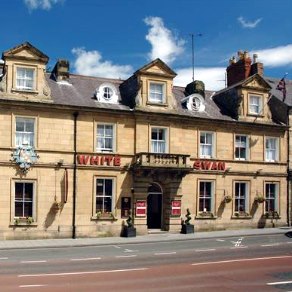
(23, 201)
(206, 193)
(104, 195)
(271, 197)
(241, 198)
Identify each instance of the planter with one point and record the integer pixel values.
(129, 231)
(187, 228)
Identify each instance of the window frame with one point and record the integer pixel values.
(238, 197)
(276, 149)
(25, 79)
(212, 145)
(113, 138)
(103, 196)
(238, 147)
(165, 134)
(211, 198)
(33, 214)
(25, 119)
(251, 105)
(162, 93)
(276, 198)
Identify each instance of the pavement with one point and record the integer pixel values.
(152, 237)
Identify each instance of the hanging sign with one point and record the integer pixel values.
(140, 208)
(175, 208)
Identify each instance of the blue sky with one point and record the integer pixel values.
(114, 38)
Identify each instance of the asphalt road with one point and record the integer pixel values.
(251, 263)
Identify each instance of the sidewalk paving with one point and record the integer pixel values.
(158, 237)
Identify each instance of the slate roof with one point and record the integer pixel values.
(273, 82)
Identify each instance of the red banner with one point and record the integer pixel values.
(175, 208)
(141, 208)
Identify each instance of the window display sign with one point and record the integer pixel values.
(126, 207)
(175, 208)
(140, 208)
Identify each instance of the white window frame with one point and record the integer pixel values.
(255, 104)
(107, 93)
(156, 144)
(241, 145)
(242, 195)
(20, 139)
(204, 197)
(155, 95)
(272, 154)
(103, 209)
(207, 145)
(270, 198)
(15, 216)
(105, 137)
(25, 82)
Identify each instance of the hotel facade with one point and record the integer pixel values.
(80, 154)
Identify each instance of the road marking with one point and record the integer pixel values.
(32, 262)
(221, 240)
(165, 253)
(130, 250)
(82, 273)
(206, 249)
(30, 286)
(85, 259)
(127, 256)
(241, 246)
(280, 283)
(271, 244)
(3, 258)
(116, 246)
(240, 260)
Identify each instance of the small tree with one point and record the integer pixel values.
(188, 216)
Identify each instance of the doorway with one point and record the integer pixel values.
(154, 207)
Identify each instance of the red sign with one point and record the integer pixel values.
(209, 165)
(109, 160)
(140, 208)
(175, 208)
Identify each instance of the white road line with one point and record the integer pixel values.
(271, 244)
(82, 273)
(206, 249)
(240, 246)
(280, 283)
(3, 258)
(127, 256)
(32, 262)
(165, 253)
(240, 260)
(31, 286)
(85, 259)
(221, 240)
(130, 250)
(116, 246)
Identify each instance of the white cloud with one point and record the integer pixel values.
(165, 45)
(248, 24)
(41, 4)
(90, 63)
(275, 57)
(213, 78)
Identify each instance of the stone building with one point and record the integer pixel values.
(78, 154)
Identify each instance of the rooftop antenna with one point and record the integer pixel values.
(193, 53)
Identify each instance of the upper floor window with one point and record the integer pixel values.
(206, 196)
(255, 104)
(272, 149)
(104, 196)
(157, 92)
(271, 197)
(105, 140)
(24, 134)
(158, 140)
(25, 78)
(241, 197)
(241, 147)
(206, 144)
(107, 92)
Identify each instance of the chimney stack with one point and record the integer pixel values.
(61, 70)
(257, 67)
(196, 86)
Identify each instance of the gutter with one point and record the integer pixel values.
(75, 114)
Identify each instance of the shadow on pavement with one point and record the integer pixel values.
(289, 234)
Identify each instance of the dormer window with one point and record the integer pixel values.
(255, 105)
(107, 93)
(194, 102)
(25, 78)
(157, 92)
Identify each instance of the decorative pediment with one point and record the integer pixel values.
(256, 82)
(26, 51)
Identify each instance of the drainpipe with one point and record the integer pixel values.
(75, 114)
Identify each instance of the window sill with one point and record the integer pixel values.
(104, 218)
(152, 103)
(32, 91)
(206, 216)
(247, 217)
